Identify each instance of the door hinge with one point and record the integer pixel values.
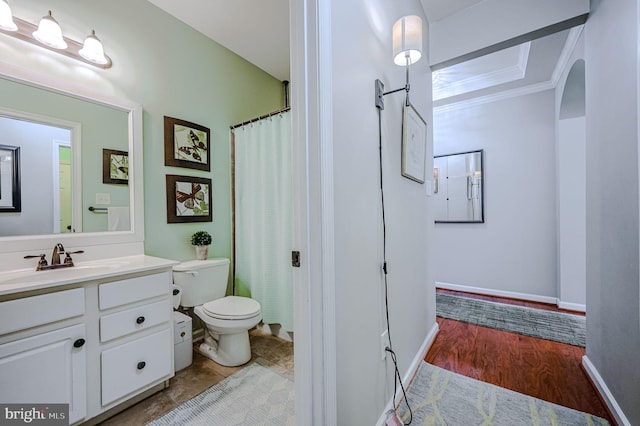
(295, 259)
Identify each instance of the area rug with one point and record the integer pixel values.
(550, 325)
(255, 395)
(439, 397)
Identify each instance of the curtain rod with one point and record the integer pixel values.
(262, 117)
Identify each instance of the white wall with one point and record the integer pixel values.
(613, 293)
(571, 212)
(362, 52)
(571, 183)
(36, 157)
(515, 249)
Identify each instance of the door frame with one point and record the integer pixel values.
(313, 201)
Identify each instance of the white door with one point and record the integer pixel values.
(46, 369)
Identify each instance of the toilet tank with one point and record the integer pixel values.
(201, 281)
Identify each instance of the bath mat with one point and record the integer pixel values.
(550, 325)
(255, 395)
(440, 397)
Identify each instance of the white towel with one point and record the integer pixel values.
(118, 219)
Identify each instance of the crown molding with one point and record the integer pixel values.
(563, 60)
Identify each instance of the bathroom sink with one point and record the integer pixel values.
(80, 271)
(29, 279)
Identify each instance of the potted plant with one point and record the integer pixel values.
(201, 240)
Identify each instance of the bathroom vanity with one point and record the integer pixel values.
(95, 336)
(98, 335)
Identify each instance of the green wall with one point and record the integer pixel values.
(171, 70)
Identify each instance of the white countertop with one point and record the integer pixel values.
(21, 280)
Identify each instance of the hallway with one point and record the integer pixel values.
(541, 368)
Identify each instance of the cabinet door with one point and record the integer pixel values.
(46, 368)
(135, 365)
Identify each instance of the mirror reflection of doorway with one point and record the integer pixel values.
(62, 187)
(45, 144)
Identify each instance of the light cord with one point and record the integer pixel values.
(396, 377)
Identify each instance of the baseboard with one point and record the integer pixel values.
(411, 371)
(577, 307)
(500, 293)
(605, 393)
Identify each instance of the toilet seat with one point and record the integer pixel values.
(232, 308)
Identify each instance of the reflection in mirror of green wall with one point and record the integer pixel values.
(102, 127)
(170, 69)
(65, 154)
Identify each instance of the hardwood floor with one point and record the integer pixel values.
(541, 368)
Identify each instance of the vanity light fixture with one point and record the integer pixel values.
(48, 34)
(407, 50)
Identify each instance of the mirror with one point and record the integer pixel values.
(60, 137)
(65, 134)
(458, 188)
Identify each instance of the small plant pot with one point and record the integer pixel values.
(202, 252)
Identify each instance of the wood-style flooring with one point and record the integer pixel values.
(541, 368)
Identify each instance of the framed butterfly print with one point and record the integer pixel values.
(188, 199)
(115, 166)
(186, 144)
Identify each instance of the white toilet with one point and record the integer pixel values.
(227, 319)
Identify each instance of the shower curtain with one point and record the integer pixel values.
(263, 214)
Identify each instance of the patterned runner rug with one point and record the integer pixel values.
(439, 397)
(550, 325)
(255, 395)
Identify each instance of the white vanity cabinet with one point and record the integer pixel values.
(49, 366)
(137, 319)
(95, 342)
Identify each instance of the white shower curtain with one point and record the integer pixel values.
(263, 230)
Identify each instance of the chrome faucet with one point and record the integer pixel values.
(58, 249)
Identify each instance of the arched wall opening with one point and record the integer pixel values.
(571, 174)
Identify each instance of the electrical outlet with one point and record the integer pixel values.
(384, 342)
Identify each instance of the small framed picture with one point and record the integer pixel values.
(414, 144)
(115, 166)
(10, 193)
(188, 199)
(186, 144)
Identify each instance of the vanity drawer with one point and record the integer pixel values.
(42, 309)
(131, 290)
(134, 319)
(134, 365)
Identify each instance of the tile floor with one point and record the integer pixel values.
(203, 373)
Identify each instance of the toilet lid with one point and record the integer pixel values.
(232, 308)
